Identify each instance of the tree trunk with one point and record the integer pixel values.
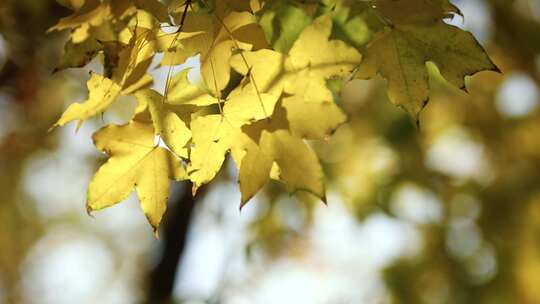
(174, 236)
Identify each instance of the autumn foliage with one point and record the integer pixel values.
(271, 73)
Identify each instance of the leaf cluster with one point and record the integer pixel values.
(264, 90)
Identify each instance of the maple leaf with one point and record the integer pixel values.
(102, 92)
(214, 135)
(311, 60)
(167, 123)
(291, 21)
(92, 14)
(183, 92)
(278, 143)
(354, 22)
(296, 163)
(95, 19)
(278, 138)
(400, 52)
(129, 75)
(238, 30)
(157, 9)
(257, 143)
(300, 115)
(170, 114)
(77, 55)
(134, 163)
(264, 92)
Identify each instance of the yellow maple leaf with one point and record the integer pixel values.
(95, 18)
(278, 143)
(134, 163)
(182, 92)
(92, 14)
(216, 44)
(214, 135)
(167, 123)
(312, 120)
(258, 144)
(128, 76)
(102, 92)
(299, 167)
(311, 60)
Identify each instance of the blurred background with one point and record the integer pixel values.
(446, 214)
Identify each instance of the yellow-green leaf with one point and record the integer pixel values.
(166, 122)
(211, 140)
(102, 92)
(182, 92)
(268, 143)
(299, 166)
(214, 135)
(312, 59)
(215, 45)
(312, 120)
(400, 54)
(254, 171)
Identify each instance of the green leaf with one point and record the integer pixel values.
(282, 24)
